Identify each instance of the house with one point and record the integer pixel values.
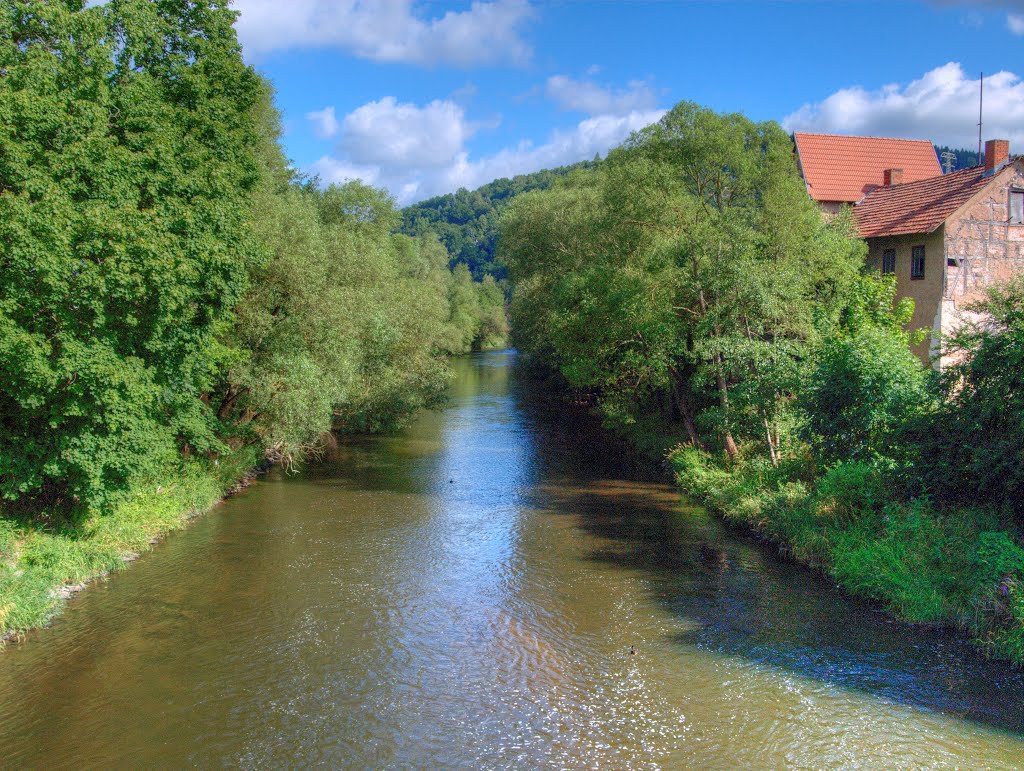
(841, 170)
(947, 237)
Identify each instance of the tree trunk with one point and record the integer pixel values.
(771, 444)
(683, 405)
(723, 399)
(229, 401)
(723, 388)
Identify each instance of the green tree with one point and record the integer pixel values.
(691, 268)
(126, 136)
(464, 308)
(973, 446)
(467, 222)
(344, 328)
(865, 387)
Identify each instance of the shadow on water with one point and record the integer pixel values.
(738, 599)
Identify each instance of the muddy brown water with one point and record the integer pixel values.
(466, 594)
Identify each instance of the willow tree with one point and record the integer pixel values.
(691, 266)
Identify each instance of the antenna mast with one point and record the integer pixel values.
(981, 100)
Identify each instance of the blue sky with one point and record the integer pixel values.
(425, 97)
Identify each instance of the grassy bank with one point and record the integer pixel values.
(42, 562)
(958, 567)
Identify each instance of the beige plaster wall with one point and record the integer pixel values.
(926, 292)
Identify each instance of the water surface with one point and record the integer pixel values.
(466, 594)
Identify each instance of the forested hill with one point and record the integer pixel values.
(467, 221)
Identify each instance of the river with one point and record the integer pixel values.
(467, 594)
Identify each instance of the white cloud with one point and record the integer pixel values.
(594, 135)
(400, 136)
(388, 30)
(464, 95)
(333, 170)
(588, 97)
(1015, 21)
(325, 123)
(942, 106)
(417, 152)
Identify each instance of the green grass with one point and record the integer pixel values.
(960, 568)
(38, 559)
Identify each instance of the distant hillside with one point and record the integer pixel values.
(467, 222)
(964, 158)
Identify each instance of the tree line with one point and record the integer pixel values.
(467, 221)
(170, 289)
(690, 288)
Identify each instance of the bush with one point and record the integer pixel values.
(862, 389)
(973, 447)
(849, 492)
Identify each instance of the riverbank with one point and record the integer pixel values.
(43, 563)
(960, 568)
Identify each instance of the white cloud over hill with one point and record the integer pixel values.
(941, 106)
(388, 30)
(403, 137)
(417, 151)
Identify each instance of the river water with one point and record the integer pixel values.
(466, 594)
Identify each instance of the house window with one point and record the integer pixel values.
(917, 262)
(889, 261)
(1017, 207)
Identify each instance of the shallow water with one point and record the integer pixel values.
(465, 594)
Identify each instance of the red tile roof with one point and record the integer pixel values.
(917, 207)
(843, 168)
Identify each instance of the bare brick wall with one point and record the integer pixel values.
(986, 247)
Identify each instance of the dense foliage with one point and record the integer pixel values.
(688, 287)
(168, 288)
(689, 270)
(467, 222)
(864, 384)
(126, 162)
(973, 445)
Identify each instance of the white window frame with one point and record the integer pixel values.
(1016, 197)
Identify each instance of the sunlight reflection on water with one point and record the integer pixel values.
(465, 594)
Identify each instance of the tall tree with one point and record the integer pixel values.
(126, 136)
(690, 267)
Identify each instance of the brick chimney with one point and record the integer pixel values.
(997, 152)
(892, 177)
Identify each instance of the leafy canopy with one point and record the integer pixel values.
(127, 136)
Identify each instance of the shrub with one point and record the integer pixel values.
(849, 492)
(861, 390)
(973, 448)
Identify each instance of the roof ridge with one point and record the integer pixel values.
(862, 136)
(920, 206)
(922, 182)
